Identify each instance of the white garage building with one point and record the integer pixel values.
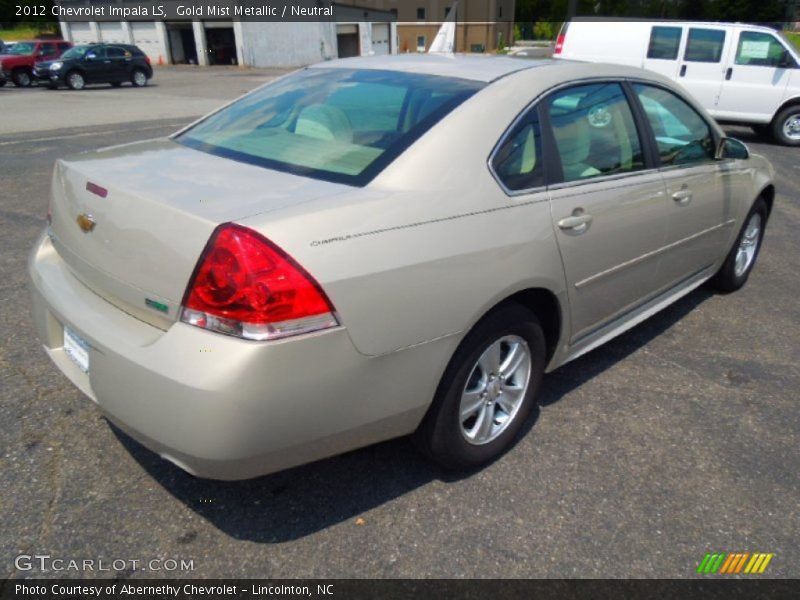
(251, 43)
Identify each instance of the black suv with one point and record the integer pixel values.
(96, 63)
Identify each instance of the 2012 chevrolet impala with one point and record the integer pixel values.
(375, 247)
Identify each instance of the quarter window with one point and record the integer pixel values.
(518, 162)
(664, 43)
(47, 49)
(704, 45)
(594, 131)
(682, 135)
(759, 49)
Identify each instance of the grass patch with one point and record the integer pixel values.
(25, 33)
(794, 37)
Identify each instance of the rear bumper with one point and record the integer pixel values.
(226, 408)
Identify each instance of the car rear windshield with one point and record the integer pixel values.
(339, 125)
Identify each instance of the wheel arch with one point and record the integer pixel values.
(548, 310)
(768, 194)
(793, 101)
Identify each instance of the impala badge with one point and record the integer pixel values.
(86, 222)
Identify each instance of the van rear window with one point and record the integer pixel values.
(664, 43)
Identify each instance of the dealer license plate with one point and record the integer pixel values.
(77, 349)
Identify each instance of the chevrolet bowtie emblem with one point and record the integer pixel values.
(86, 222)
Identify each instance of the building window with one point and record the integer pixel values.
(394, 12)
(499, 12)
(446, 11)
(421, 14)
(420, 43)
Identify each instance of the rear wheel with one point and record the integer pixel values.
(742, 258)
(22, 77)
(75, 80)
(139, 78)
(487, 392)
(786, 126)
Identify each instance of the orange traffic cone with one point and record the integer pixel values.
(160, 60)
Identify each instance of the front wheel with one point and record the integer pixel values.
(22, 78)
(740, 261)
(487, 392)
(139, 78)
(75, 81)
(786, 126)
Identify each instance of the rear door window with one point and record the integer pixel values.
(518, 161)
(664, 43)
(594, 131)
(682, 135)
(704, 45)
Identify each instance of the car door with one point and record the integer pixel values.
(607, 204)
(702, 68)
(45, 51)
(756, 78)
(120, 62)
(702, 191)
(663, 49)
(96, 64)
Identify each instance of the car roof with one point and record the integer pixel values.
(478, 68)
(491, 68)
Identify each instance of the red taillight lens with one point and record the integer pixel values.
(147, 59)
(559, 44)
(246, 286)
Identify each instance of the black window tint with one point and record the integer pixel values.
(759, 49)
(420, 14)
(47, 49)
(682, 135)
(664, 42)
(116, 52)
(63, 47)
(594, 131)
(704, 45)
(98, 51)
(518, 162)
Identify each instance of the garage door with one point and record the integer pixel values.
(145, 35)
(380, 38)
(81, 33)
(113, 33)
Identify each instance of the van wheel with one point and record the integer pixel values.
(786, 126)
(22, 78)
(487, 392)
(75, 81)
(740, 261)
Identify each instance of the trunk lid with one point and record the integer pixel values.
(131, 221)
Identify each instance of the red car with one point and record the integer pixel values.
(18, 64)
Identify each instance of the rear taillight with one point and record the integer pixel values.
(147, 59)
(559, 44)
(246, 286)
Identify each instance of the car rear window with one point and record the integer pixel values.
(339, 125)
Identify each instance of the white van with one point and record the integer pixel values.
(739, 73)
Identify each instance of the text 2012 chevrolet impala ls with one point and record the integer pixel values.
(375, 247)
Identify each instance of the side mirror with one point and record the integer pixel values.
(787, 62)
(731, 148)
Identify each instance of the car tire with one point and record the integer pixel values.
(22, 78)
(116, 84)
(75, 80)
(786, 126)
(741, 259)
(139, 78)
(455, 431)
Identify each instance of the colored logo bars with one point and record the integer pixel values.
(732, 563)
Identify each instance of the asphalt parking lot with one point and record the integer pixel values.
(679, 438)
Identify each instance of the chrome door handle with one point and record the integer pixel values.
(682, 196)
(577, 223)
